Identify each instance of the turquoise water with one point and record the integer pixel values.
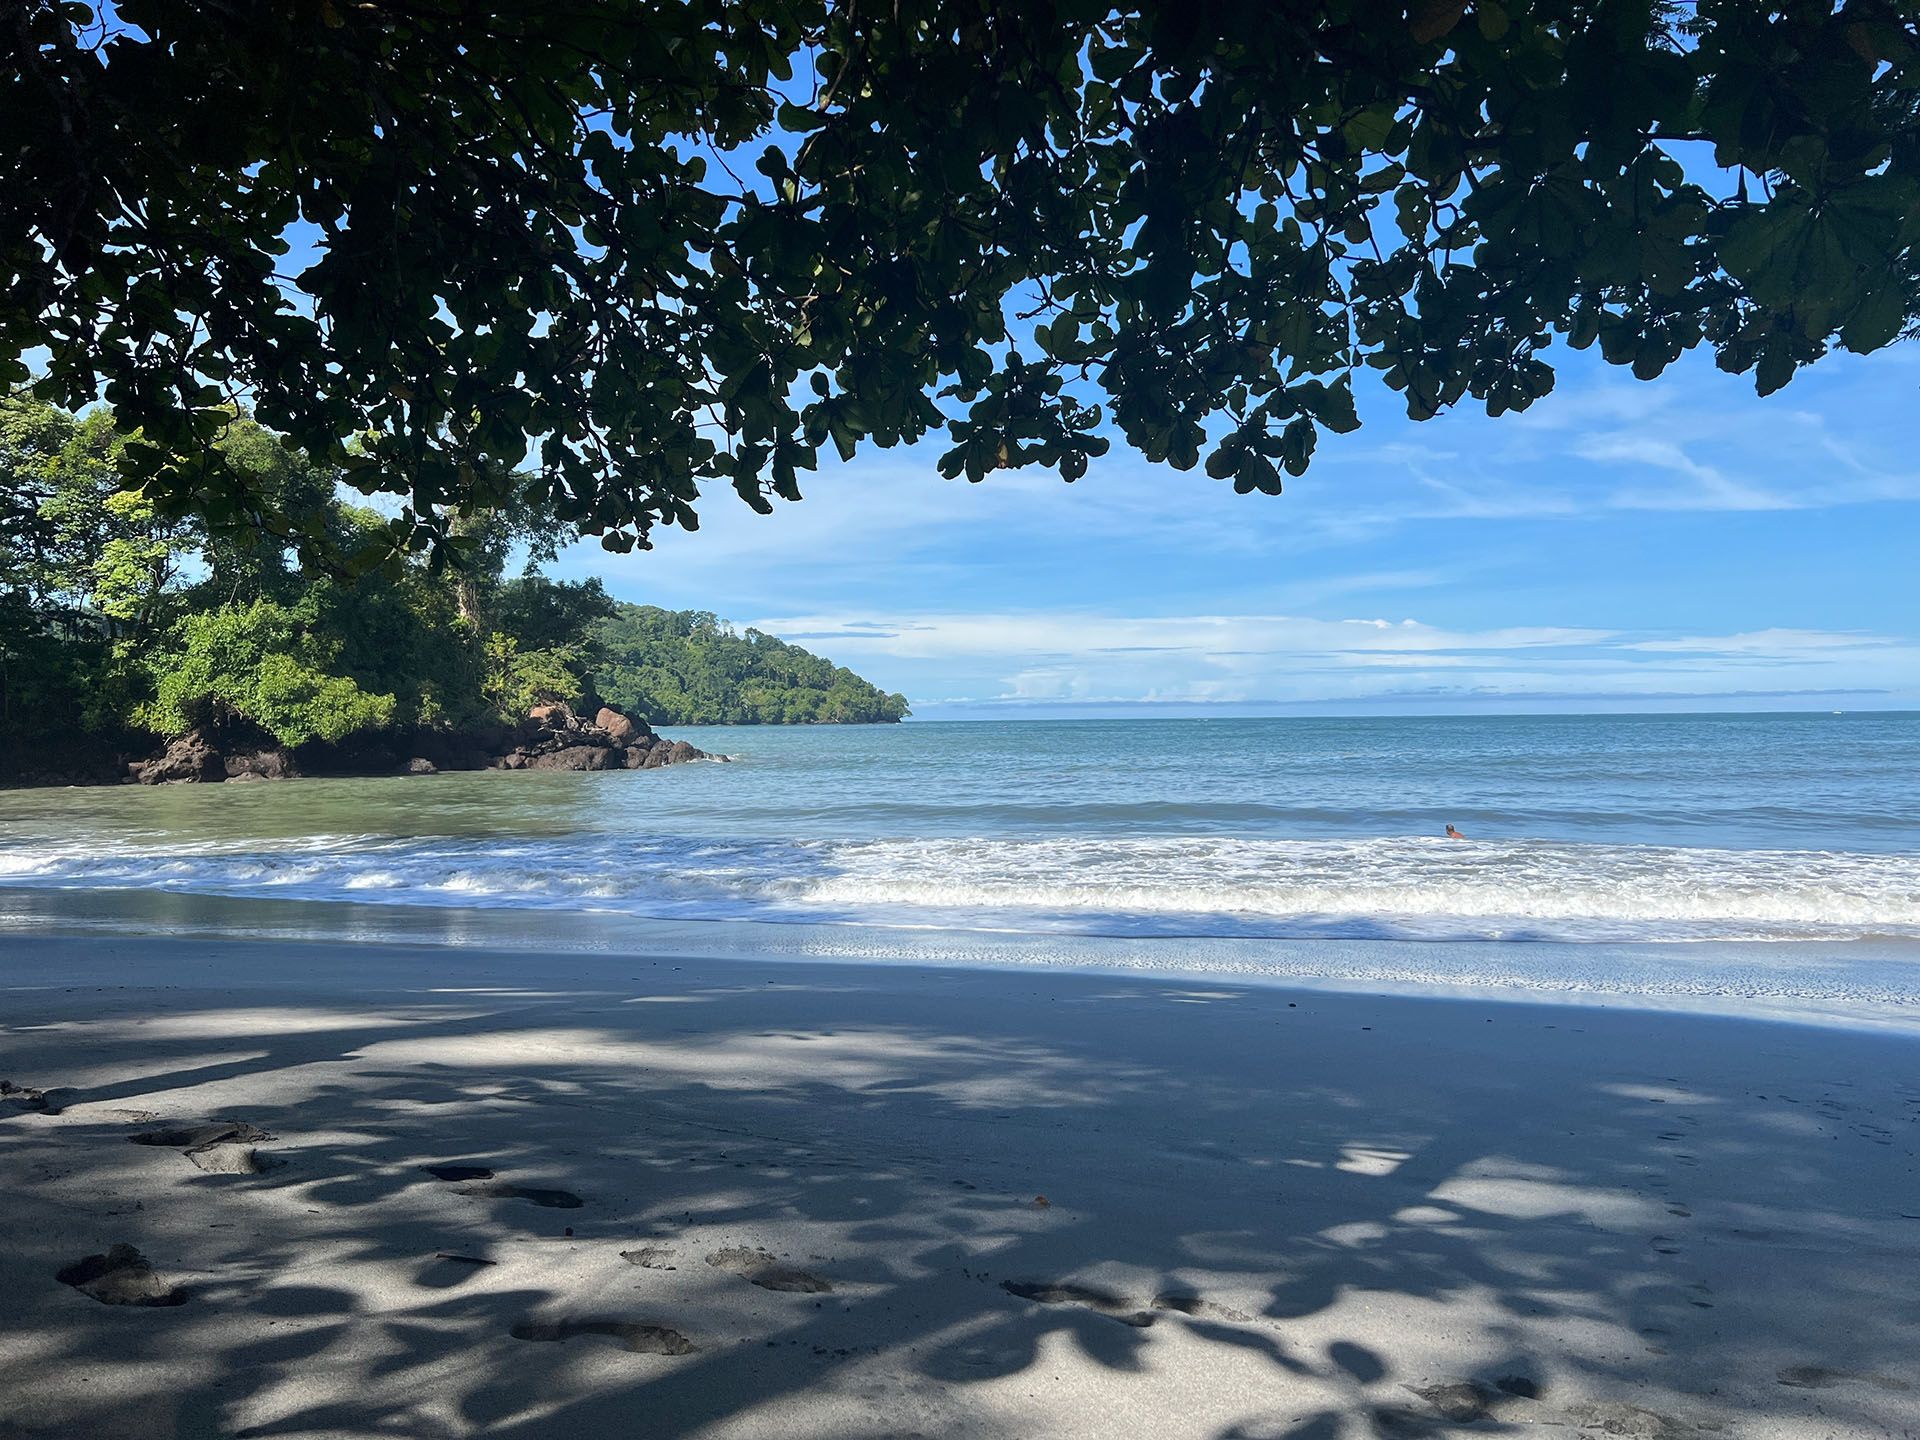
(1581, 830)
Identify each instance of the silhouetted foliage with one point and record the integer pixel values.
(659, 246)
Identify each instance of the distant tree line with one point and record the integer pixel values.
(120, 625)
(688, 667)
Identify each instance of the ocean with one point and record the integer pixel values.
(1745, 849)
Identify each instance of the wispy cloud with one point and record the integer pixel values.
(1205, 636)
(1428, 696)
(1023, 658)
(1705, 487)
(1770, 642)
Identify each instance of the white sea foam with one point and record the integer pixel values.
(1413, 887)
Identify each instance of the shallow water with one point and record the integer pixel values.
(1639, 830)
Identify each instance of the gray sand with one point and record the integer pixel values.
(733, 1199)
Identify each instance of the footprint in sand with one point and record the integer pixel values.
(1819, 1377)
(649, 1257)
(192, 1137)
(1466, 1402)
(1612, 1417)
(1104, 1302)
(122, 1276)
(489, 1188)
(25, 1097)
(1198, 1308)
(633, 1336)
(232, 1159)
(222, 1147)
(767, 1272)
(458, 1172)
(532, 1194)
(1183, 1304)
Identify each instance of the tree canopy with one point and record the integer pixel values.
(118, 626)
(649, 247)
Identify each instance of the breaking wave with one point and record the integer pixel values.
(1376, 887)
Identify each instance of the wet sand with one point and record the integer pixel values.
(420, 1191)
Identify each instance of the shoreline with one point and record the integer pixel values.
(1360, 1213)
(549, 737)
(1864, 984)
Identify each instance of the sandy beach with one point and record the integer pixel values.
(418, 1191)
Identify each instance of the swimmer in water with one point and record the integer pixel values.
(1453, 834)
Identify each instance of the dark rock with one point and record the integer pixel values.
(266, 764)
(545, 742)
(551, 737)
(491, 738)
(576, 757)
(191, 758)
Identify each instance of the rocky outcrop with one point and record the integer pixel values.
(192, 757)
(551, 737)
(576, 757)
(269, 762)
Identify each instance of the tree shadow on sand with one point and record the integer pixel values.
(773, 1200)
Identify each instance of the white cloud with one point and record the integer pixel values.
(947, 636)
(1077, 658)
(1778, 643)
(1708, 488)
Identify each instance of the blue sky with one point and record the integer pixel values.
(1679, 544)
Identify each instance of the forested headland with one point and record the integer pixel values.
(122, 627)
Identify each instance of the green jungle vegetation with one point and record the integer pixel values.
(119, 626)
